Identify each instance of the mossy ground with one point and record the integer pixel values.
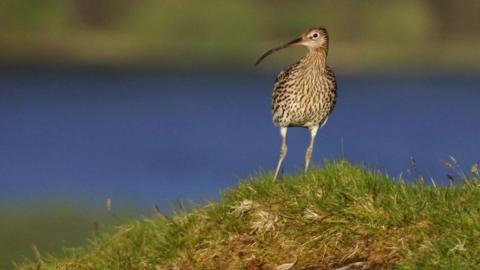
(331, 217)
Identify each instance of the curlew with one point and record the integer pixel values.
(304, 94)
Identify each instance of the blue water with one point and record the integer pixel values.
(153, 137)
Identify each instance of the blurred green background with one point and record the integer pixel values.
(52, 227)
(185, 34)
(366, 36)
(22, 228)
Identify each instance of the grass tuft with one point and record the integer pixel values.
(333, 217)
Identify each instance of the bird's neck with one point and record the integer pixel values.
(316, 58)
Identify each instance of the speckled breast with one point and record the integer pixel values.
(304, 102)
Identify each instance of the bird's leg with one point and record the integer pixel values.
(308, 154)
(283, 151)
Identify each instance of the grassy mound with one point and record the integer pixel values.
(337, 216)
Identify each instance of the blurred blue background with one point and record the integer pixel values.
(152, 102)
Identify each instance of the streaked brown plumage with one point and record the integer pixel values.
(305, 93)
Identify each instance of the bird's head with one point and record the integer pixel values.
(315, 38)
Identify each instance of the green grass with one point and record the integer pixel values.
(329, 218)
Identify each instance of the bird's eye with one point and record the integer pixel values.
(315, 35)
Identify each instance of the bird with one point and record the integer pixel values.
(305, 93)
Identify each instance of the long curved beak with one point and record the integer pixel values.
(286, 45)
